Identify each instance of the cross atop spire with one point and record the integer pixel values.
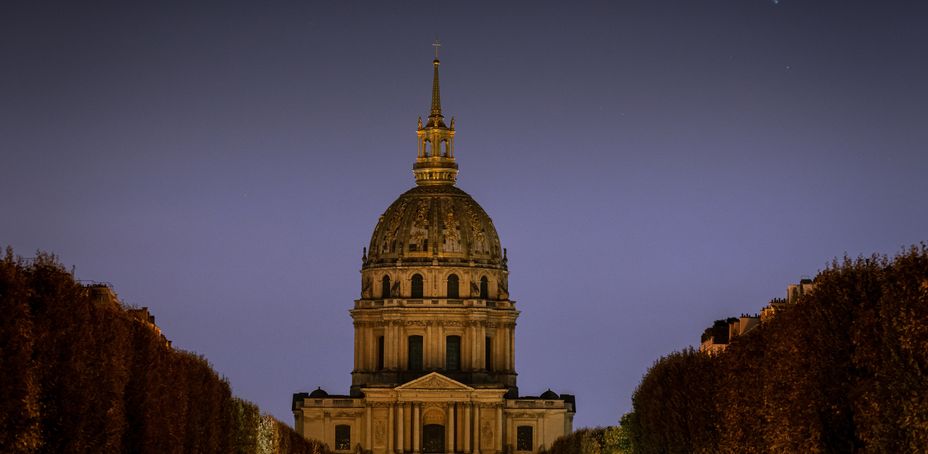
(436, 45)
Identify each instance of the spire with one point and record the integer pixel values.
(435, 160)
(436, 120)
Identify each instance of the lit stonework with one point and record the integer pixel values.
(434, 356)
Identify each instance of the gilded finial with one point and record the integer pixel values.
(452, 123)
(420, 122)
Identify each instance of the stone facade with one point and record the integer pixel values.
(434, 344)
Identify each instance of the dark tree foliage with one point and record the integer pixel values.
(718, 331)
(599, 440)
(19, 382)
(80, 375)
(674, 405)
(741, 368)
(843, 370)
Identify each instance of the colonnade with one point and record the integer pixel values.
(461, 421)
(501, 336)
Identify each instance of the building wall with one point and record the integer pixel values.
(485, 425)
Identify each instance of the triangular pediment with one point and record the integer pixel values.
(434, 381)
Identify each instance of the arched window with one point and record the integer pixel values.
(427, 148)
(416, 286)
(385, 287)
(484, 288)
(453, 287)
(453, 353)
(444, 148)
(415, 352)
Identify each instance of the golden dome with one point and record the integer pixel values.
(428, 223)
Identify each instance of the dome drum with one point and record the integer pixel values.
(438, 282)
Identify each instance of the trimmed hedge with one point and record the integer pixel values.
(81, 376)
(844, 370)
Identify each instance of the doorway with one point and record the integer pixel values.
(433, 438)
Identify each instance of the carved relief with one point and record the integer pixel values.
(503, 287)
(433, 415)
(366, 288)
(419, 234)
(393, 227)
(480, 245)
(486, 434)
(436, 383)
(451, 229)
(380, 430)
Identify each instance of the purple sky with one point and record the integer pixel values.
(651, 166)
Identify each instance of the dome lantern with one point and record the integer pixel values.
(435, 163)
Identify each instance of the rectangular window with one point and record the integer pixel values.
(524, 438)
(415, 352)
(380, 353)
(342, 437)
(453, 353)
(488, 355)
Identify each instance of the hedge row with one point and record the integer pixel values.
(83, 376)
(844, 370)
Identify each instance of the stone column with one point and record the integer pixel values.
(390, 431)
(474, 350)
(400, 445)
(357, 346)
(400, 341)
(440, 348)
(467, 428)
(512, 347)
(415, 427)
(428, 350)
(476, 429)
(511, 431)
(388, 340)
(449, 431)
(364, 356)
(499, 429)
(541, 426)
(368, 428)
(481, 339)
(500, 352)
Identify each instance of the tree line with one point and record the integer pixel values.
(843, 370)
(78, 376)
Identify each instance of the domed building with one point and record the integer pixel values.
(434, 357)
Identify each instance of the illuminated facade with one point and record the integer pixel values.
(434, 357)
